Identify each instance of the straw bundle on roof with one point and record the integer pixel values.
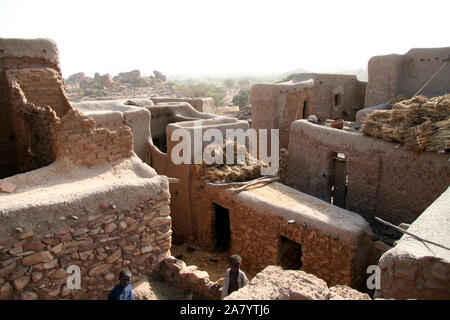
(421, 124)
(251, 169)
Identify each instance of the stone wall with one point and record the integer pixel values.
(78, 140)
(384, 179)
(415, 269)
(189, 278)
(394, 74)
(103, 233)
(335, 243)
(100, 230)
(113, 114)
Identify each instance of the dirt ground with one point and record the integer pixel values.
(215, 263)
(158, 290)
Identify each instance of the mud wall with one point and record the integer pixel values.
(28, 68)
(205, 105)
(277, 106)
(394, 74)
(384, 180)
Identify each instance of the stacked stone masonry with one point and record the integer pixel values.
(34, 265)
(255, 236)
(189, 278)
(78, 140)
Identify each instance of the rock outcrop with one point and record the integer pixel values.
(274, 283)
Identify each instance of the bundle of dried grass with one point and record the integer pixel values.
(249, 169)
(421, 124)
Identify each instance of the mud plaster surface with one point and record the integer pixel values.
(62, 188)
(299, 205)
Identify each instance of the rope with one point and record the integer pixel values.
(409, 233)
(434, 75)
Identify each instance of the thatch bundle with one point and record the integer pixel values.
(421, 124)
(251, 169)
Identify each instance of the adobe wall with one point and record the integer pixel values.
(31, 68)
(74, 136)
(335, 243)
(181, 192)
(351, 93)
(276, 106)
(205, 105)
(392, 75)
(28, 53)
(384, 180)
(8, 164)
(420, 270)
(72, 216)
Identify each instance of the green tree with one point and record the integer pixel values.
(242, 99)
(229, 83)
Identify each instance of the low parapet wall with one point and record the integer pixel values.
(415, 269)
(200, 104)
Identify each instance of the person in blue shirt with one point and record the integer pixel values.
(122, 291)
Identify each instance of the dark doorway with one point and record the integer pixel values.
(222, 228)
(340, 179)
(290, 254)
(305, 111)
(337, 100)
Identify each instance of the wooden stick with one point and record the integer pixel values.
(264, 181)
(240, 183)
(409, 233)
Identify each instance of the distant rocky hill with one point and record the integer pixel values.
(125, 84)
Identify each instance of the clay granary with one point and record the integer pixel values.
(94, 185)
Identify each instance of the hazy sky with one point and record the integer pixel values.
(210, 36)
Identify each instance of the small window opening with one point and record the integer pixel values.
(337, 100)
(290, 254)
